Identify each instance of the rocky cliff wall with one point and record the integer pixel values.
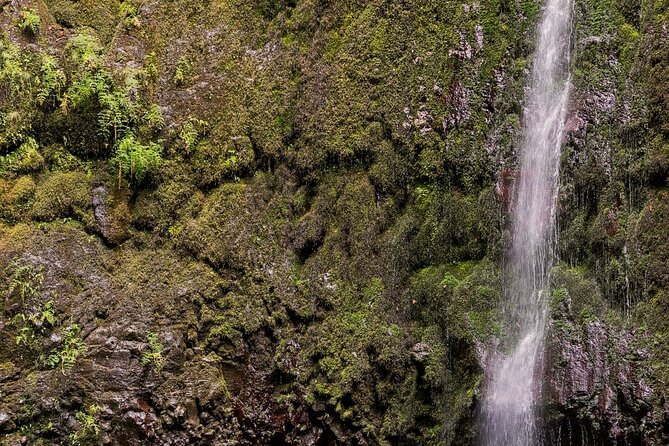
(282, 222)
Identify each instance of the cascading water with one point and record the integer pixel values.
(513, 381)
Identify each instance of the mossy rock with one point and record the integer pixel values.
(63, 195)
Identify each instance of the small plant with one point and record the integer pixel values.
(34, 324)
(85, 52)
(192, 132)
(154, 355)
(89, 430)
(24, 279)
(183, 71)
(30, 21)
(129, 13)
(136, 160)
(153, 118)
(73, 347)
(116, 113)
(52, 80)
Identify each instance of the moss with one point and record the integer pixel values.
(25, 159)
(19, 197)
(62, 195)
(98, 15)
(575, 293)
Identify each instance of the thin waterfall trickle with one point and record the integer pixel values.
(514, 381)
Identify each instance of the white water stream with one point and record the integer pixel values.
(514, 381)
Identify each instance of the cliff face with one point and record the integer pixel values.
(283, 222)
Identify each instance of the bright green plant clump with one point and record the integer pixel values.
(183, 71)
(130, 14)
(134, 160)
(192, 133)
(89, 430)
(154, 354)
(30, 21)
(32, 325)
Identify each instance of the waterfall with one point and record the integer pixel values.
(513, 381)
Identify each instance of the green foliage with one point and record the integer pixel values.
(192, 132)
(29, 327)
(183, 71)
(16, 85)
(153, 118)
(135, 160)
(72, 347)
(89, 430)
(129, 14)
(52, 80)
(154, 355)
(95, 88)
(30, 21)
(85, 52)
(25, 279)
(116, 112)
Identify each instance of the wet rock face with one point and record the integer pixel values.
(183, 395)
(112, 214)
(597, 386)
(100, 195)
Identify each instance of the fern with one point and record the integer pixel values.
(85, 52)
(135, 160)
(73, 347)
(52, 80)
(154, 355)
(116, 113)
(153, 118)
(24, 279)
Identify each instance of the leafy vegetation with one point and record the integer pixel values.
(72, 347)
(135, 160)
(30, 21)
(129, 14)
(32, 326)
(88, 430)
(183, 71)
(153, 356)
(25, 279)
(340, 175)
